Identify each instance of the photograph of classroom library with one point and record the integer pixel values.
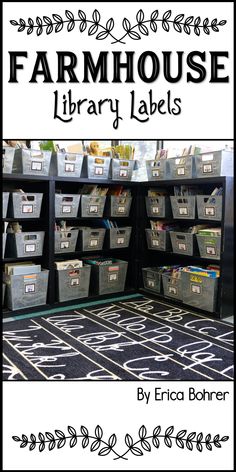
(117, 260)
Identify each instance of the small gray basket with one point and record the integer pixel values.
(109, 278)
(25, 205)
(92, 207)
(158, 240)
(209, 207)
(24, 291)
(119, 237)
(172, 286)
(158, 207)
(183, 243)
(69, 164)
(73, 283)
(118, 206)
(26, 244)
(157, 170)
(91, 239)
(8, 155)
(199, 292)
(209, 246)
(122, 169)
(33, 162)
(214, 164)
(183, 207)
(98, 167)
(5, 199)
(65, 241)
(182, 167)
(152, 279)
(66, 205)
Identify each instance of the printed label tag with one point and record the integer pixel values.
(123, 173)
(196, 289)
(207, 168)
(183, 211)
(98, 170)
(211, 250)
(93, 209)
(156, 173)
(121, 209)
(30, 247)
(75, 282)
(27, 208)
(69, 167)
(65, 244)
(155, 242)
(207, 157)
(181, 171)
(155, 209)
(112, 277)
(151, 283)
(120, 240)
(172, 290)
(182, 246)
(93, 242)
(36, 165)
(66, 208)
(210, 211)
(29, 288)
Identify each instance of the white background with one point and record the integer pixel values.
(31, 407)
(207, 109)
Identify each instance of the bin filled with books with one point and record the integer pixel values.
(65, 237)
(158, 203)
(73, 279)
(158, 237)
(108, 275)
(93, 199)
(172, 282)
(200, 286)
(119, 201)
(209, 207)
(118, 236)
(209, 242)
(22, 243)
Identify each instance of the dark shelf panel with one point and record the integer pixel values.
(21, 177)
(84, 180)
(199, 258)
(40, 220)
(194, 181)
(16, 259)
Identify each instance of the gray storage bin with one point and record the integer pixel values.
(158, 240)
(98, 167)
(182, 167)
(118, 206)
(152, 279)
(66, 205)
(3, 292)
(91, 239)
(5, 198)
(26, 244)
(209, 246)
(209, 207)
(26, 291)
(122, 169)
(69, 164)
(65, 241)
(199, 292)
(27, 205)
(157, 170)
(183, 207)
(119, 237)
(33, 162)
(73, 283)
(214, 164)
(158, 206)
(172, 286)
(8, 155)
(92, 206)
(4, 239)
(109, 278)
(183, 243)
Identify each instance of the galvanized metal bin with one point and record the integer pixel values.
(26, 291)
(27, 205)
(209, 207)
(183, 207)
(109, 278)
(199, 292)
(69, 164)
(26, 244)
(73, 283)
(214, 164)
(5, 199)
(65, 241)
(209, 246)
(152, 279)
(91, 239)
(118, 206)
(66, 205)
(119, 237)
(182, 167)
(35, 162)
(157, 170)
(172, 286)
(183, 243)
(158, 240)
(4, 239)
(122, 169)
(8, 155)
(92, 206)
(158, 206)
(98, 167)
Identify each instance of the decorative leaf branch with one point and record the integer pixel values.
(144, 443)
(179, 24)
